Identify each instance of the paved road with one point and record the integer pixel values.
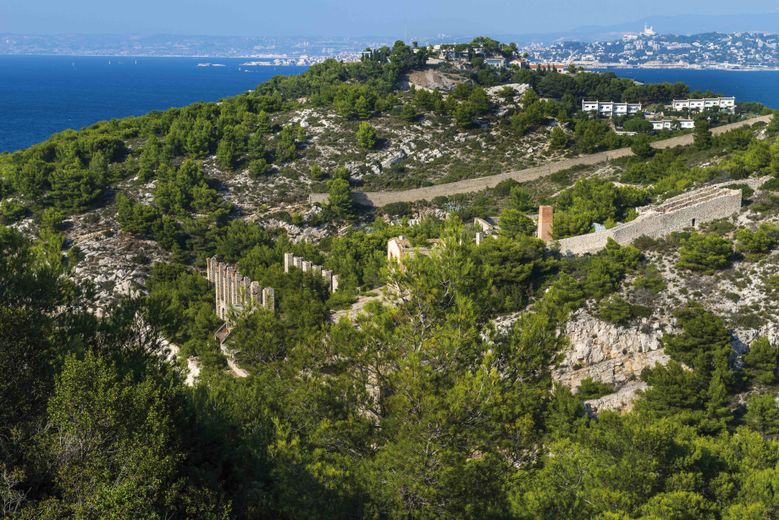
(382, 198)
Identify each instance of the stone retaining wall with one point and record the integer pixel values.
(676, 214)
(382, 198)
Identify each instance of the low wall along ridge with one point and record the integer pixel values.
(688, 210)
(382, 198)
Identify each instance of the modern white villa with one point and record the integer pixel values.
(670, 124)
(610, 108)
(723, 103)
(497, 62)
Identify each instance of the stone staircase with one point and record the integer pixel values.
(222, 333)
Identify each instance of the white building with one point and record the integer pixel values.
(610, 109)
(723, 103)
(397, 248)
(400, 248)
(498, 63)
(668, 124)
(561, 68)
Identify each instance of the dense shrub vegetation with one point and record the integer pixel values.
(339, 420)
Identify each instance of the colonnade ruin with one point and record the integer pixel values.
(295, 262)
(237, 292)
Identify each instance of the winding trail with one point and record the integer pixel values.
(235, 369)
(382, 198)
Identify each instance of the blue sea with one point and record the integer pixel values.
(760, 86)
(41, 95)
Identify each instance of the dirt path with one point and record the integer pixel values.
(382, 198)
(193, 366)
(193, 363)
(235, 369)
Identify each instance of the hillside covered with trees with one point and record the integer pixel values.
(447, 397)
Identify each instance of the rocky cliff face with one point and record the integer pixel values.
(742, 295)
(609, 353)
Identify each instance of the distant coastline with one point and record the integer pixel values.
(734, 51)
(258, 61)
(263, 61)
(725, 67)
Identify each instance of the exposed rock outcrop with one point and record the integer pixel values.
(610, 354)
(622, 399)
(115, 263)
(432, 79)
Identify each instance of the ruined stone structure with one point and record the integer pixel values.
(291, 261)
(235, 291)
(545, 219)
(488, 228)
(399, 248)
(688, 210)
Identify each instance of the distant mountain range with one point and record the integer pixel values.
(288, 49)
(679, 25)
(698, 40)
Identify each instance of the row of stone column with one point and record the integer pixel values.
(235, 291)
(291, 261)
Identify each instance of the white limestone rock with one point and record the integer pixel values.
(606, 352)
(393, 159)
(620, 401)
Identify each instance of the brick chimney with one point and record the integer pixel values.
(545, 219)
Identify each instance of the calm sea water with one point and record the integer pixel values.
(761, 86)
(41, 95)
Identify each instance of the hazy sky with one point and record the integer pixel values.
(399, 18)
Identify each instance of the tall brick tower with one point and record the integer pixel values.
(545, 218)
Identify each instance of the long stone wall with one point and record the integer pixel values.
(291, 261)
(688, 210)
(382, 198)
(235, 291)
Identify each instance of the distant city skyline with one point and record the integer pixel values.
(402, 19)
